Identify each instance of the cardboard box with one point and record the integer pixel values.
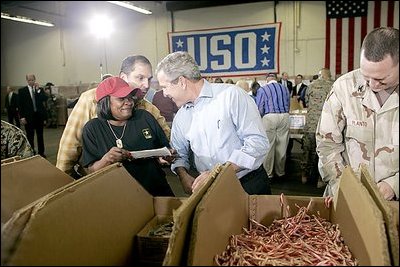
(225, 209)
(26, 180)
(9, 160)
(390, 211)
(93, 221)
(150, 249)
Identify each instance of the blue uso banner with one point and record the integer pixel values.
(233, 51)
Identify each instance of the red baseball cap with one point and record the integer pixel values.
(114, 86)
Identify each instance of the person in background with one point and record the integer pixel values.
(167, 107)
(273, 105)
(105, 76)
(218, 80)
(11, 106)
(51, 106)
(230, 81)
(254, 88)
(244, 85)
(285, 82)
(14, 142)
(137, 71)
(118, 129)
(299, 90)
(219, 122)
(32, 110)
(360, 118)
(317, 92)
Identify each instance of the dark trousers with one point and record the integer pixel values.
(30, 128)
(256, 182)
(13, 116)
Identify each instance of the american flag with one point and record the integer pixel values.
(347, 23)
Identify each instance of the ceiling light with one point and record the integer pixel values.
(26, 20)
(131, 6)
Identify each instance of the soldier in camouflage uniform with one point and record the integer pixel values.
(315, 96)
(360, 118)
(14, 142)
(51, 105)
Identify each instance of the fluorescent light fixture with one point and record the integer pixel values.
(131, 6)
(26, 20)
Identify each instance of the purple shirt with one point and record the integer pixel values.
(273, 97)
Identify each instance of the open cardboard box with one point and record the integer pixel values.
(93, 221)
(9, 160)
(390, 211)
(226, 208)
(26, 180)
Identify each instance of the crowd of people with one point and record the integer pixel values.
(351, 121)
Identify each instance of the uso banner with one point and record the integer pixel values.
(233, 51)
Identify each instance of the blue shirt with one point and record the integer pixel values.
(273, 97)
(221, 125)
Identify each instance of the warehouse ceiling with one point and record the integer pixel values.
(184, 5)
(13, 6)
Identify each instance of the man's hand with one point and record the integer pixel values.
(23, 121)
(386, 191)
(200, 181)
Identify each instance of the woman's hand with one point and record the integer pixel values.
(116, 154)
(167, 160)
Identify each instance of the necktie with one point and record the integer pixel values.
(33, 98)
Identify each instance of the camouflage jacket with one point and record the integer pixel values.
(315, 97)
(354, 129)
(14, 142)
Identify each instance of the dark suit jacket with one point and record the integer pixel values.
(301, 94)
(25, 104)
(12, 105)
(289, 86)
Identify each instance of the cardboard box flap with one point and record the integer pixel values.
(177, 248)
(361, 222)
(91, 222)
(388, 209)
(9, 160)
(226, 216)
(26, 180)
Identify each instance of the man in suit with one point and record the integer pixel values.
(300, 90)
(12, 106)
(285, 82)
(32, 109)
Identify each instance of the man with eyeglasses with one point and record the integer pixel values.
(218, 122)
(360, 118)
(136, 70)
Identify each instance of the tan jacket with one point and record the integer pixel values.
(355, 129)
(70, 148)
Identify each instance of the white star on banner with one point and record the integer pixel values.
(265, 49)
(179, 43)
(265, 36)
(265, 61)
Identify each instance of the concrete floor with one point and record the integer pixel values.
(291, 185)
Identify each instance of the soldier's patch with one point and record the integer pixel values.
(147, 133)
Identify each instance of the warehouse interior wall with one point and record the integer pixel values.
(69, 54)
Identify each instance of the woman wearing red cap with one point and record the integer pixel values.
(120, 129)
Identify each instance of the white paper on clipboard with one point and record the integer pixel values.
(159, 152)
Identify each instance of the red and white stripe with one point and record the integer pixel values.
(344, 36)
